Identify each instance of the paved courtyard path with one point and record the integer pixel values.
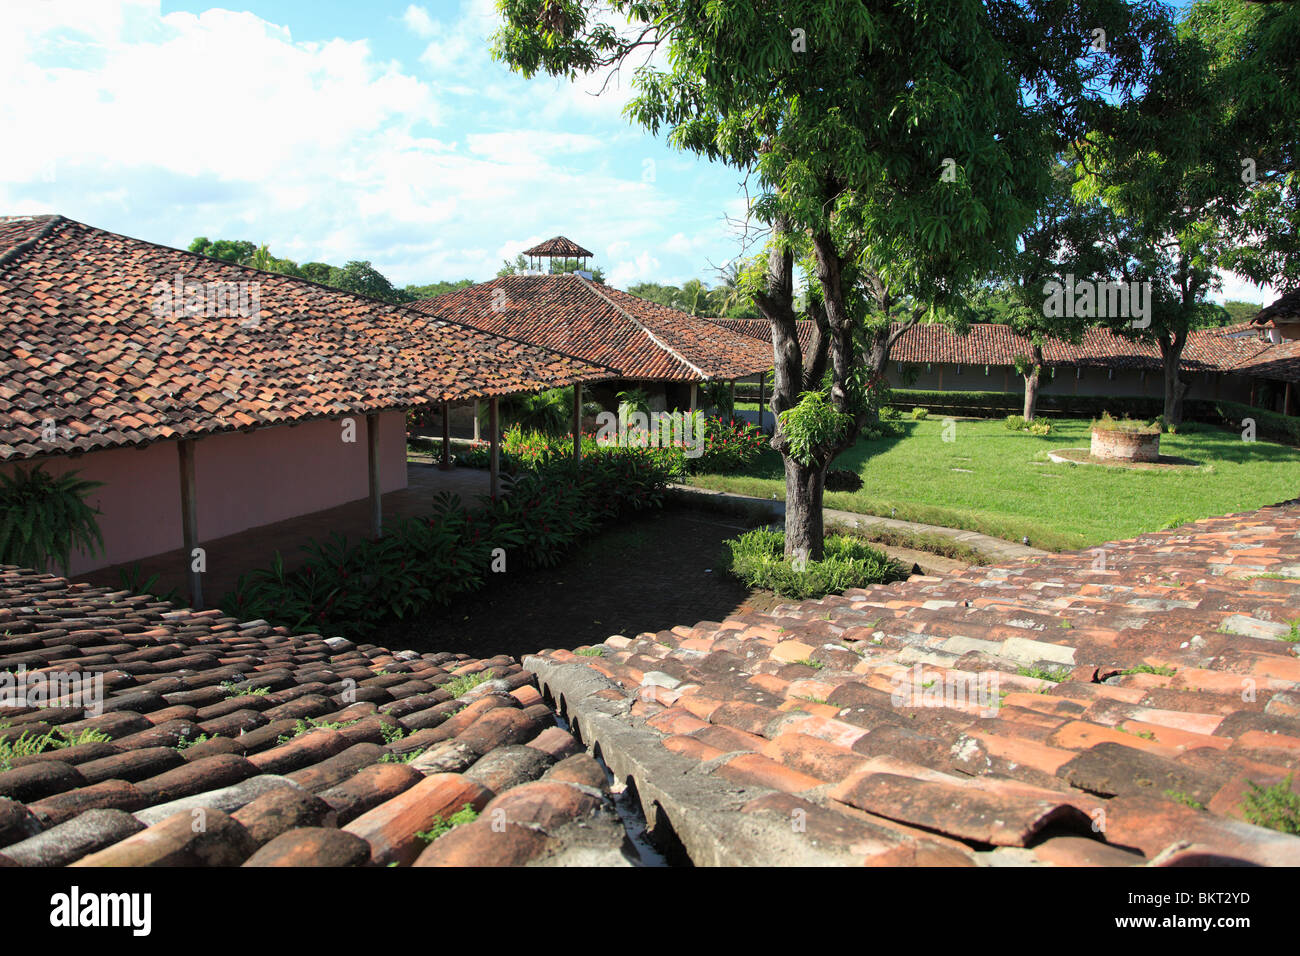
(996, 550)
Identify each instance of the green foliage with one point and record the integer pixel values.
(434, 289)
(1015, 423)
(26, 745)
(811, 425)
(133, 580)
(1276, 807)
(1136, 427)
(757, 559)
(1053, 674)
(459, 686)
(841, 479)
(42, 518)
(466, 814)
(419, 563)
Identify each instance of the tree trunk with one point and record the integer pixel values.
(1031, 393)
(1171, 354)
(804, 529)
(1033, 378)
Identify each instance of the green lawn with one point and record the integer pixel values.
(1001, 483)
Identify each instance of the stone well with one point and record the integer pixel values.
(1116, 445)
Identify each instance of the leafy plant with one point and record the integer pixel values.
(757, 558)
(811, 424)
(1276, 807)
(45, 517)
(466, 814)
(26, 745)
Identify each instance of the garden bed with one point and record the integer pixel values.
(646, 574)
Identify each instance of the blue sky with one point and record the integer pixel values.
(336, 131)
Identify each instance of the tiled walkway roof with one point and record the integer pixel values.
(1175, 686)
(638, 338)
(1207, 350)
(291, 749)
(82, 344)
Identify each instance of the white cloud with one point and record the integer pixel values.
(221, 123)
(419, 22)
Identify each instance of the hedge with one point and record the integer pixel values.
(1269, 425)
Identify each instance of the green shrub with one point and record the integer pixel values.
(1039, 428)
(841, 479)
(920, 414)
(756, 558)
(44, 518)
(1015, 423)
(812, 423)
(357, 588)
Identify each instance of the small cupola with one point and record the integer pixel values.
(558, 248)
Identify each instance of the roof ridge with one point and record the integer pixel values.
(640, 325)
(15, 251)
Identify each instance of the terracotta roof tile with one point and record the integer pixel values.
(89, 347)
(1111, 758)
(605, 326)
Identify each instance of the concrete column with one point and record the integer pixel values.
(762, 381)
(476, 436)
(446, 436)
(494, 437)
(577, 423)
(372, 459)
(190, 521)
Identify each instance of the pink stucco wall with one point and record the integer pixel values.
(242, 480)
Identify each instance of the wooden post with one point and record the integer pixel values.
(446, 436)
(695, 396)
(476, 419)
(494, 459)
(372, 459)
(190, 521)
(577, 423)
(762, 381)
(733, 398)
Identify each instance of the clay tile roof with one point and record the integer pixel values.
(559, 247)
(1053, 711)
(200, 710)
(637, 338)
(88, 343)
(1285, 309)
(761, 329)
(1207, 350)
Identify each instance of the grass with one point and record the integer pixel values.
(1055, 675)
(466, 814)
(461, 685)
(1009, 489)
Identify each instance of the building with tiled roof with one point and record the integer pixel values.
(644, 342)
(1227, 363)
(1059, 711)
(281, 397)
